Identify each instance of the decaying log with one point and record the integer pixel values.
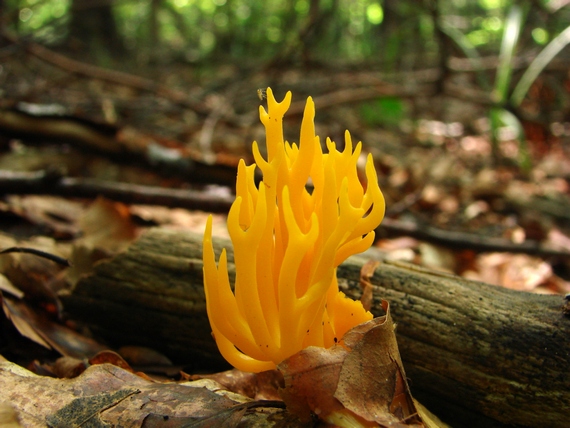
(469, 348)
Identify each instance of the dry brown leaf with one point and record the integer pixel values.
(58, 214)
(107, 229)
(110, 357)
(428, 418)
(7, 286)
(437, 257)
(365, 380)
(143, 356)
(432, 195)
(372, 381)
(258, 386)
(181, 219)
(515, 271)
(311, 377)
(6, 241)
(398, 249)
(36, 326)
(34, 275)
(107, 394)
(83, 259)
(557, 239)
(20, 321)
(68, 367)
(394, 244)
(107, 225)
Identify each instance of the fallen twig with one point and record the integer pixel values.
(39, 253)
(107, 75)
(51, 183)
(471, 241)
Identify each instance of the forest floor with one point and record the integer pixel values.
(69, 135)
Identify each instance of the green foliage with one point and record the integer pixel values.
(395, 34)
(40, 17)
(510, 40)
(469, 50)
(390, 32)
(499, 116)
(538, 64)
(511, 28)
(387, 112)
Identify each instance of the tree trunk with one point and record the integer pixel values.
(476, 354)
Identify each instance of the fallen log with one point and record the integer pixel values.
(476, 354)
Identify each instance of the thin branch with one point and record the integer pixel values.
(471, 241)
(105, 74)
(51, 183)
(117, 145)
(39, 253)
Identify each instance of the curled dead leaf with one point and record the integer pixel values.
(37, 327)
(107, 225)
(107, 229)
(311, 376)
(110, 357)
(258, 386)
(364, 382)
(68, 367)
(7, 286)
(143, 356)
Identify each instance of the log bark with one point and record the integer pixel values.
(476, 354)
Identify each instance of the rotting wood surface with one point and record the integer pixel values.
(472, 351)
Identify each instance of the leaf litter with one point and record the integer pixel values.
(462, 193)
(360, 379)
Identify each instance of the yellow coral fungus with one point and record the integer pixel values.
(288, 242)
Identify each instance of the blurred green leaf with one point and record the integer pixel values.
(538, 64)
(501, 117)
(511, 35)
(383, 112)
(463, 42)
